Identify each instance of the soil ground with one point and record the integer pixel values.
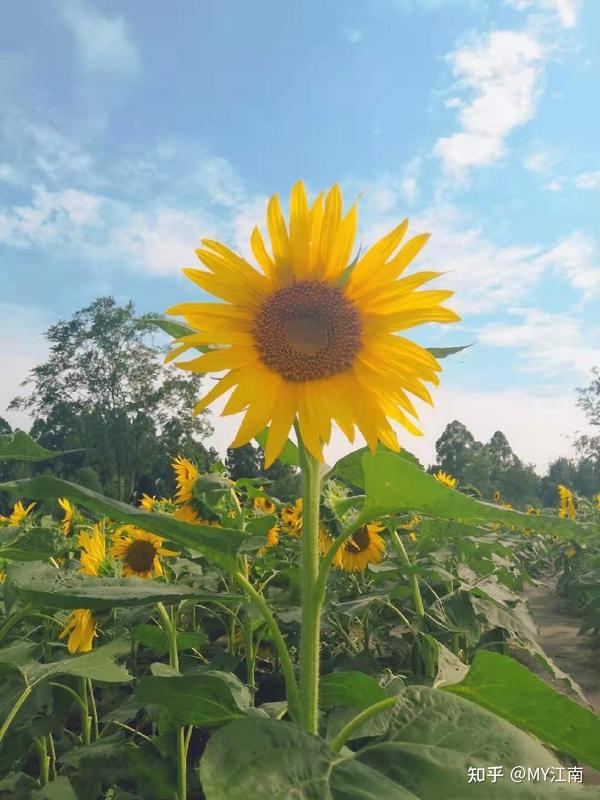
(577, 655)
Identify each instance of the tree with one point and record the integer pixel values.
(104, 388)
(454, 448)
(248, 461)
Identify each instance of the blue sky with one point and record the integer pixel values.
(130, 131)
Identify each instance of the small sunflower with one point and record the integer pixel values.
(314, 334)
(567, 502)
(533, 510)
(506, 505)
(186, 475)
(292, 517)
(139, 551)
(69, 514)
(364, 547)
(2, 576)
(496, 496)
(93, 552)
(187, 514)
(80, 627)
(570, 552)
(597, 500)
(445, 478)
(272, 540)
(18, 514)
(264, 504)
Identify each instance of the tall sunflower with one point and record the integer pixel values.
(314, 335)
(139, 551)
(186, 475)
(567, 502)
(364, 547)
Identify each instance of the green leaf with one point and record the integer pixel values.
(425, 754)
(350, 467)
(99, 664)
(217, 544)
(289, 454)
(170, 326)
(47, 587)
(19, 445)
(509, 689)
(156, 639)
(204, 699)
(355, 689)
(58, 789)
(448, 668)
(394, 484)
(444, 352)
(34, 544)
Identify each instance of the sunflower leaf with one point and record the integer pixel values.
(444, 352)
(393, 484)
(217, 544)
(47, 587)
(19, 445)
(289, 454)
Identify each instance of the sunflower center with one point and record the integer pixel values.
(308, 331)
(359, 541)
(140, 555)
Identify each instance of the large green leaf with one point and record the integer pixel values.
(217, 544)
(393, 484)
(350, 467)
(33, 544)
(509, 689)
(47, 587)
(425, 755)
(203, 699)
(444, 352)
(99, 664)
(156, 639)
(19, 445)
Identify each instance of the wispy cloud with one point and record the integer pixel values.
(498, 80)
(588, 180)
(567, 11)
(103, 42)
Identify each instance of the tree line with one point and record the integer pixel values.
(105, 395)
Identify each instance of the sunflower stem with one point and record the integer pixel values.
(414, 581)
(310, 634)
(44, 759)
(355, 723)
(86, 720)
(170, 629)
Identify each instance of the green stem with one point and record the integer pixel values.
(291, 687)
(90, 687)
(73, 693)
(14, 711)
(52, 754)
(310, 633)
(414, 582)
(86, 720)
(44, 759)
(171, 631)
(13, 620)
(338, 742)
(250, 654)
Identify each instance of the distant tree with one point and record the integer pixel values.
(247, 461)
(4, 426)
(104, 388)
(454, 448)
(243, 462)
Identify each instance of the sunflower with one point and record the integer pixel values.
(272, 540)
(533, 510)
(139, 551)
(93, 552)
(567, 503)
(292, 516)
(187, 514)
(264, 504)
(496, 496)
(186, 475)
(69, 514)
(18, 514)
(313, 335)
(597, 500)
(570, 552)
(80, 627)
(445, 478)
(365, 546)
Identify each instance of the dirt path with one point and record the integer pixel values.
(579, 656)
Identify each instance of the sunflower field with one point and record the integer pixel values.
(369, 640)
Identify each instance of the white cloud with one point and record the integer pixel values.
(219, 182)
(550, 345)
(567, 11)
(501, 75)
(554, 186)
(51, 218)
(576, 257)
(540, 161)
(103, 42)
(8, 174)
(588, 180)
